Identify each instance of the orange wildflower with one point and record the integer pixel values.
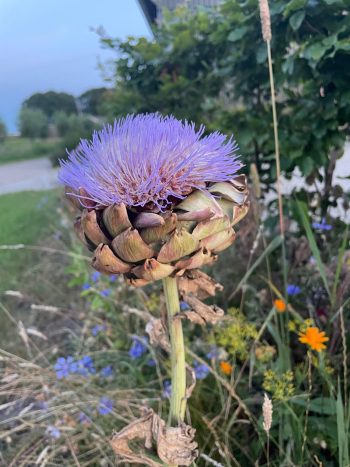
(226, 368)
(280, 305)
(314, 338)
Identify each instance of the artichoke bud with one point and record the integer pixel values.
(147, 246)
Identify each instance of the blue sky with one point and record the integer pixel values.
(48, 44)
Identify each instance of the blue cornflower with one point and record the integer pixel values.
(53, 431)
(65, 366)
(86, 286)
(95, 276)
(184, 306)
(86, 366)
(213, 353)
(105, 406)
(201, 370)
(166, 394)
(293, 289)
(106, 371)
(138, 347)
(97, 329)
(83, 418)
(321, 225)
(106, 292)
(113, 278)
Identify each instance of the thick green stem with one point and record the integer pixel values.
(178, 367)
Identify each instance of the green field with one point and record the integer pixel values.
(25, 217)
(17, 149)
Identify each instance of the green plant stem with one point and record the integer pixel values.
(278, 163)
(178, 367)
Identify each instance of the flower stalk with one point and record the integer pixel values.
(178, 367)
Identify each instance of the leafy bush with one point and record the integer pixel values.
(73, 128)
(33, 123)
(211, 68)
(51, 102)
(3, 131)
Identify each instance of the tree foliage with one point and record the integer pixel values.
(211, 68)
(51, 102)
(33, 123)
(91, 101)
(3, 131)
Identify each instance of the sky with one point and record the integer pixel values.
(48, 45)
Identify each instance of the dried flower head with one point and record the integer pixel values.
(267, 413)
(314, 338)
(265, 20)
(147, 160)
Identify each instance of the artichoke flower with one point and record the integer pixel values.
(157, 197)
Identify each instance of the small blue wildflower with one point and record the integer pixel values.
(53, 432)
(151, 362)
(106, 292)
(95, 276)
(166, 393)
(65, 366)
(213, 353)
(293, 289)
(321, 225)
(138, 347)
(86, 286)
(105, 406)
(83, 418)
(86, 366)
(184, 306)
(201, 370)
(106, 371)
(97, 329)
(113, 278)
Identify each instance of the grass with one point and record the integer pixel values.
(15, 149)
(25, 217)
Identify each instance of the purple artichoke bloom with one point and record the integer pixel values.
(138, 347)
(293, 289)
(106, 371)
(321, 225)
(65, 366)
(97, 329)
(105, 406)
(201, 370)
(53, 432)
(95, 276)
(147, 160)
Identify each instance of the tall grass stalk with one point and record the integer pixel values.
(267, 35)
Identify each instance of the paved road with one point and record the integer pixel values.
(35, 174)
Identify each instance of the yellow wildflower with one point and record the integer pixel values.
(314, 338)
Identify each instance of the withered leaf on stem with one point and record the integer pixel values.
(158, 334)
(200, 313)
(199, 284)
(174, 445)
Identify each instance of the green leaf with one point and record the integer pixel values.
(342, 429)
(296, 19)
(312, 243)
(237, 34)
(320, 405)
(294, 5)
(315, 51)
